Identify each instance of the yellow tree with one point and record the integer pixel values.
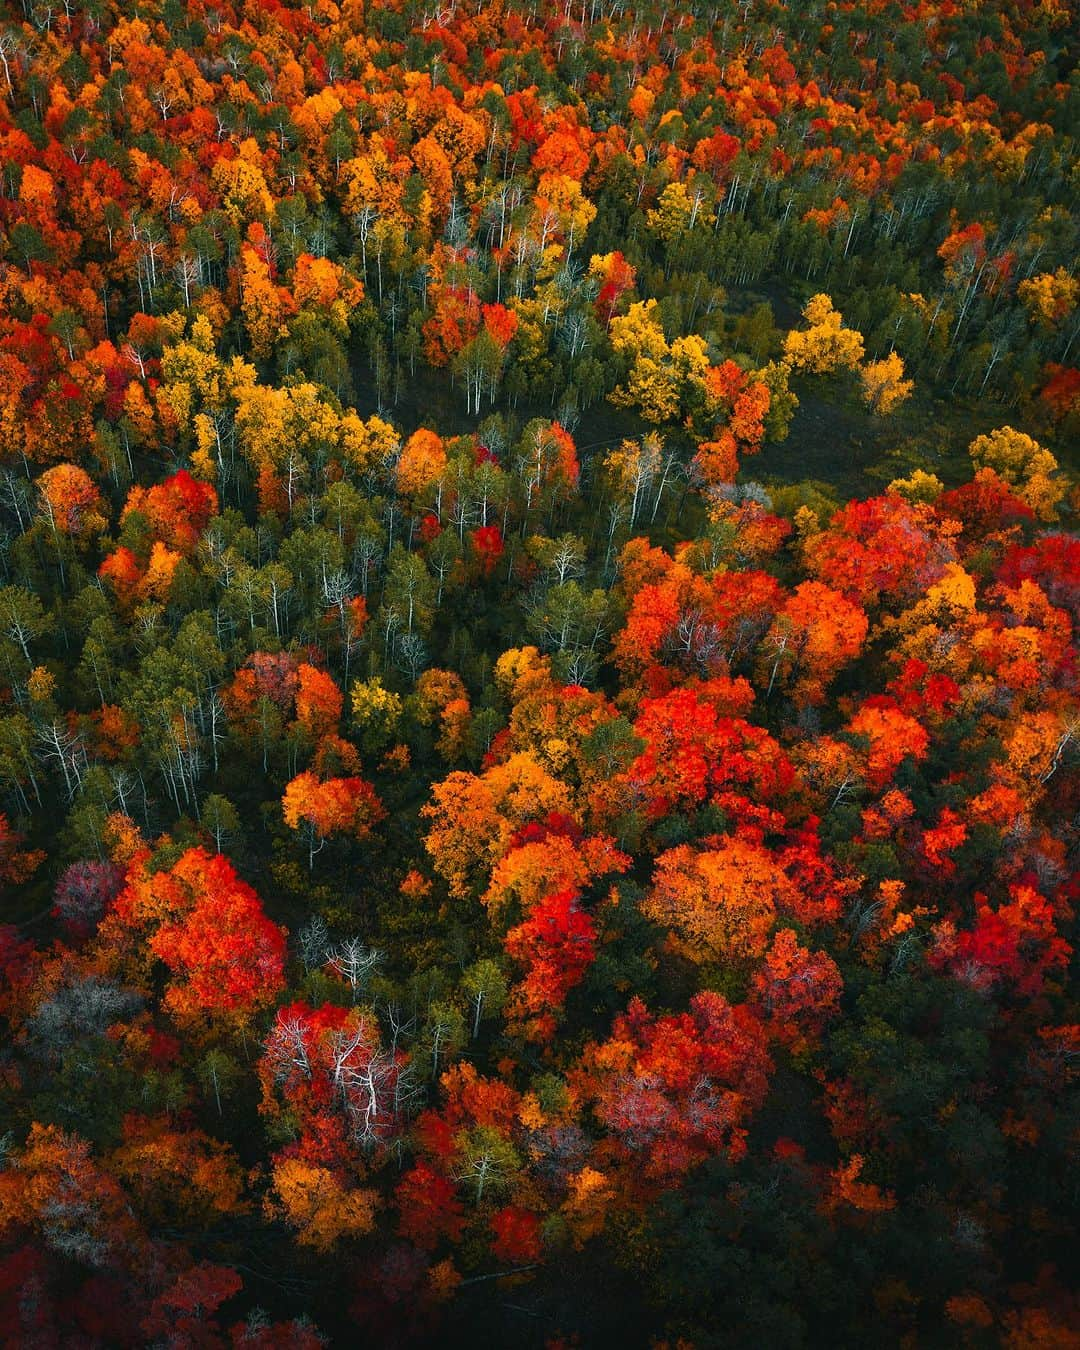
(720, 904)
(422, 461)
(1050, 297)
(317, 1205)
(825, 345)
(639, 331)
(661, 373)
(262, 303)
(242, 184)
(883, 385)
(367, 444)
(474, 817)
(632, 467)
(673, 213)
(918, 486)
(1022, 462)
(194, 395)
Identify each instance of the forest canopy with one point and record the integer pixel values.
(539, 734)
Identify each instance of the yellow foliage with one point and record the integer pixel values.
(1024, 463)
(651, 387)
(884, 386)
(563, 194)
(661, 372)
(825, 345)
(1042, 494)
(313, 422)
(206, 445)
(531, 338)
(1050, 297)
(672, 213)
(322, 1211)
(375, 707)
(242, 184)
(690, 357)
(40, 684)
(191, 371)
(517, 663)
(1012, 454)
(1033, 750)
(261, 302)
(435, 690)
(366, 444)
(806, 522)
(633, 462)
(262, 419)
(156, 583)
(639, 331)
(955, 591)
(371, 184)
(919, 486)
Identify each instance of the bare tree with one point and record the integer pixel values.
(354, 962)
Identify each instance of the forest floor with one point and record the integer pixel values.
(833, 441)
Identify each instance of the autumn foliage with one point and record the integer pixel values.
(539, 735)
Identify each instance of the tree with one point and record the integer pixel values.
(694, 752)
(330, 806)
(788, 769)
(799, 991)
(263, 304)
(815, 633)
(221, 819)
(57, 1190)
(485, 986)
(429, 1210)
(187, 1307)
(883, 385)
(177, 511)
(473, 817)
(633, 467)
(226, 959)
(615, 278)
(409, 593)
(71, 501)
(881, 550)
(325, 1070)
(1016, 942)
(84, 892)
(376, 711)
(720, 904)
(661, 374)
(315, 1203)
(1020, 460)
(825, 345)
(556, 945)
(318, 701)
(674, 1090)
(1050, 297)
(176, 1172)
(22, 620)
(420, 465)
(891, 736)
